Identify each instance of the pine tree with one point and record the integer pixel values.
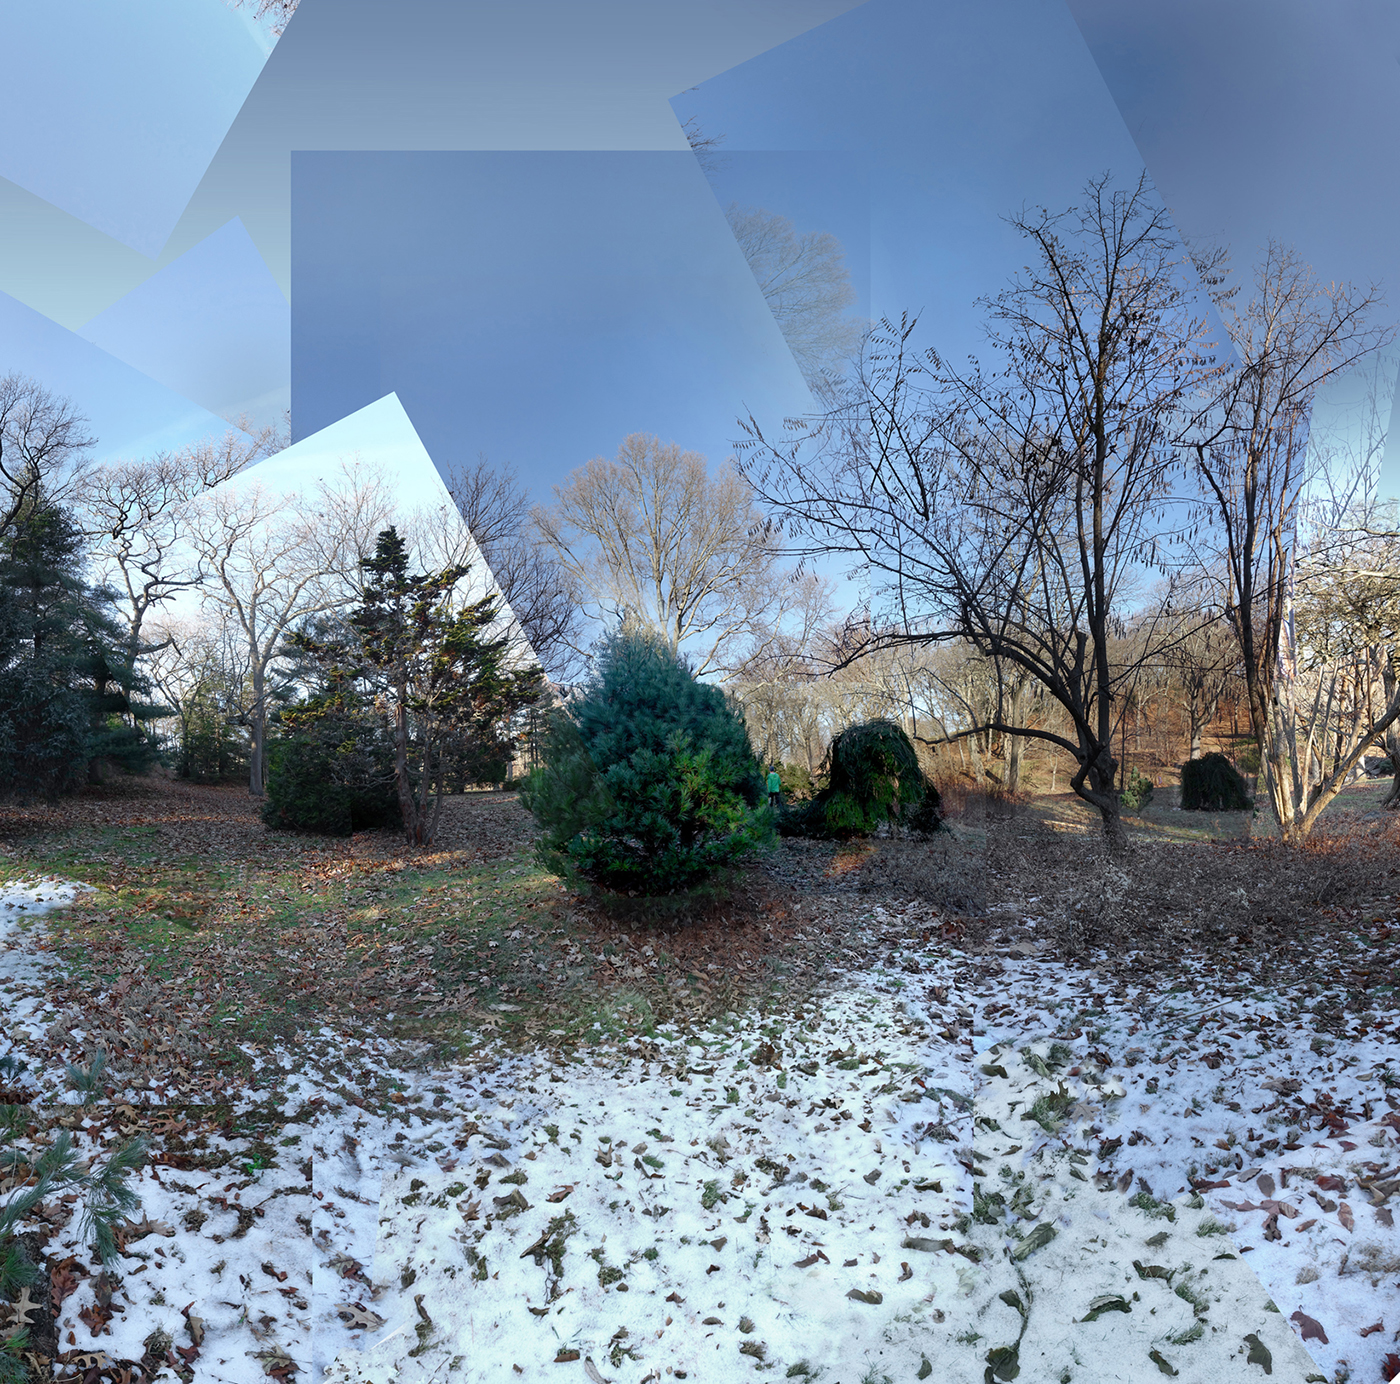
(649, 784)
(445, 677)
(68, 696)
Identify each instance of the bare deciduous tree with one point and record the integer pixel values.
(496, 511)
(42, 447)
(654, 539)
(1291, 335)
(273, 561)
(1014, 509)
(278, 11)
(1200, 658)
(199, 669)
(808, 289)
(136, 514)
(705, 147)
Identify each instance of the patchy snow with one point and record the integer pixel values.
(931, 1174)
(23, 969)
(36, 895)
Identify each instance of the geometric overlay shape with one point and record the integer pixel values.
(379, 440)
(1309, 95)
(537, 307)
(535, 74)
(824, 191)
(128, 413)
(963, 115)
(212, 325)
(113, 112)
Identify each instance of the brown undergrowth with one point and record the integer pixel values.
(211, 938)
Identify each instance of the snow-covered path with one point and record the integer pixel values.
(951, 1166)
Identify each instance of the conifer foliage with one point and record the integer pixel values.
(43, 1174)
(649, 784)
(331, 769)
(436, 672)
(70, 701)
(873, 776)
(1212, 784)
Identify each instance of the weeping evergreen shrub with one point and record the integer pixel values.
(648, 784)
(1212, 784)
(873, 776)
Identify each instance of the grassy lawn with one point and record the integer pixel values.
(208, 938)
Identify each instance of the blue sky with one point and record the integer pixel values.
(212, 325)
(113, 112)
(536, 307)
(129, 414)
(906, 128)
(961, 114)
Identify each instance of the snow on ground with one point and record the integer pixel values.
(746, 1199)
(1275, 1109)
(955, 1174)
(22, 973)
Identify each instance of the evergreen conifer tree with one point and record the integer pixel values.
(68, 695)
(440, 669)
(648, 784)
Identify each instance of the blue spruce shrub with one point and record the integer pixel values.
(648, 784)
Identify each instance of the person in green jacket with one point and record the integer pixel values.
(775, 785)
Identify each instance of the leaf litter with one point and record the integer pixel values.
(1049, 1136)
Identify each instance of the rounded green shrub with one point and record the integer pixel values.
(1212, 784)
(648, 783)
(331, 770)
(872, 776)
(798, 783)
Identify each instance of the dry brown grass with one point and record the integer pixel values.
(967, 802)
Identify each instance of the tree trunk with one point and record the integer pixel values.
(257, 785)
(979, 769)
(1392, 799)
(1014, 751)
(1095, 783)
(1390, 676)
(408, 808)
(1016, 744)
(1114, 832)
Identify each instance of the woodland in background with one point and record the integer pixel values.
(1116, 547)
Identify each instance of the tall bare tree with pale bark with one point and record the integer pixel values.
(273, 561)
(136, 515)
(653, 539)
(1291, 334)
